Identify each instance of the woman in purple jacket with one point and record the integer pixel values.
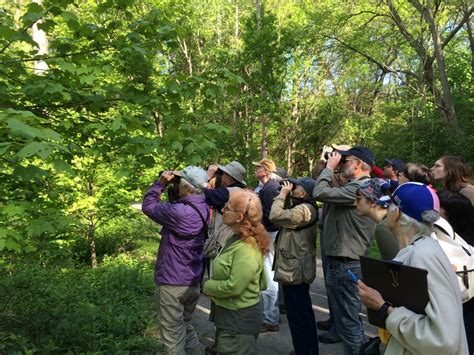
(179, 264)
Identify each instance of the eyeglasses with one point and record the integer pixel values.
(227, 209)
(343, 161)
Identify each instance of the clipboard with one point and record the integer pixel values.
(399, 284)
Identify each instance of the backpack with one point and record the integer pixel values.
(459, 253)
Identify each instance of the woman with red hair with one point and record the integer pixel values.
(238, 276)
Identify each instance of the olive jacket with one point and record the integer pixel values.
(295, 250)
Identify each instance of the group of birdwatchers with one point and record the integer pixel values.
(253, 252)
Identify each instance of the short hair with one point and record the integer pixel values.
(406, 222)
(365, 166)
(418, 173)
(183, 183)
(457, 172)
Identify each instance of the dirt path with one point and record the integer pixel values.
(278, 342)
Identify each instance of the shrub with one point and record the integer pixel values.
(106, 310)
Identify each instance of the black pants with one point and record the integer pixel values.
(468, 314)
(301, 320)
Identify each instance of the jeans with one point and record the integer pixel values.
(301, 321)
(345, 303)
(325, 262)
(271, 312)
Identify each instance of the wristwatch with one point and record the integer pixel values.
(383, 311)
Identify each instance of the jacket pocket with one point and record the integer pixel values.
(288, 268)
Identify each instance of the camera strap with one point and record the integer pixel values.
(204, 223)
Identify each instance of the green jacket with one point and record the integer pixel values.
(345, 232)
(386, 241)
(295, 252)
(238, 275)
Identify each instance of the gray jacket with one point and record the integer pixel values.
(346, 233)
(295, 252)
(218, 232)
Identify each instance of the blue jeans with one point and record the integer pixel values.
(271, 311)
(345, 303)
(325, 262)
(301, 321)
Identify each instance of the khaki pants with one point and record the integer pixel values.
(230, 342)
(176, 305)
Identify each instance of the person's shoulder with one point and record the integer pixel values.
(272, 183)
(468, 190)
(248, 247)
(270, 188)
(427, 248)
(307, 206)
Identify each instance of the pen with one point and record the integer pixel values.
(353, 276)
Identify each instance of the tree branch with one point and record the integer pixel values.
(418, 47)
(66, 105)
(451, 34)
(385, 68)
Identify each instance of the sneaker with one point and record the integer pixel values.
(269, 328)
(323, 324)
(329, 338)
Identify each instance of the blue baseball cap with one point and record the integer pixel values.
(362, 153)
(306, 182)
(414, 198)
(398, 164)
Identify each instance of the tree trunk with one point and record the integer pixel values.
(236, 21)
(39, 36)
(447, 98)
(471, 45)
(91, 230)
(91, 237)
(443, 99)
(264, 135)
(289, 157)
(265, 117)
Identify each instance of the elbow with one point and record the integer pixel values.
(317, 195)
(316, 192)
(273, 217)
(147, 208)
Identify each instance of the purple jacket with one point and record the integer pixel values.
(179, 261)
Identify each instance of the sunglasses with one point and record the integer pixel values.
(344, 160)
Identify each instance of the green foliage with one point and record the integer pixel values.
(53, 310)
(120, 235)
(137, 86)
